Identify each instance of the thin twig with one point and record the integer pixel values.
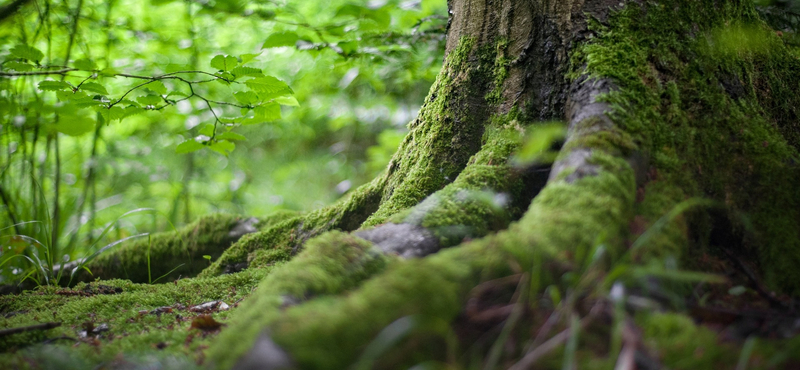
(553, 343)
(22, 329)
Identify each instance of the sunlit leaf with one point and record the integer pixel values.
(246, 71)
(231, 136)
(188, 146)
(94, 87)
(85, 65)
(149, 100)
(280, 39)
(287, 100)
(247, 58)
(267, 84)
(267, 112)
(246, 97)
(207, 130)
(224, 63)
(112, 114)
(223, 147)
(50, 85)
(157, 87)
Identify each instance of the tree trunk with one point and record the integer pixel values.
(679, 157)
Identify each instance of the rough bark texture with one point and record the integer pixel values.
(680, 154)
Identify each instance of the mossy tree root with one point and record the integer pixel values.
(170, 255)
(591, 193)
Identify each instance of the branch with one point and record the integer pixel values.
(22, 329)
(10, 9)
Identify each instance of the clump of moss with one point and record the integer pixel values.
(282, 238)
(445, 134)
(330, 264)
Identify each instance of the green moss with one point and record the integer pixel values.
(720, 122)
(330, 332)
(443, 137)
(167, 254)
(330, 264)
(484, 198)
(499, 72)
(131, 334)
(286, 235)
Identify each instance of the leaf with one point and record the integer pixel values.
(94, 87)
(21, 67)
(157, 87)
(231, 136)
(27, 52)
(50, 85)
(222, 147)
(188, 146)
(351, 10)
(267, 112)
(85, 65)
(109, 72)
(247, 58)
(75, 124)
(205, 323)
(132, 110)
(268, 85)
(111, 114)
(280, 39)
(149, 100)
(207, 130)
(290, 101)
(224, 63)
(246, 97)
(246, 71)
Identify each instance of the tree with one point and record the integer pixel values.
(679, 160)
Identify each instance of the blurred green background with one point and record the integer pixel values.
(360, 72)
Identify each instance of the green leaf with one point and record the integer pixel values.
(246, 97)
(224, 63)
(207, 130)
(94, 87)
(280, 39)
(50, 85)
(246, 71)
(87, 101)
(268, 85)
(85, 65)
(75, 124)
(111, 114)
(21, 67)
(109, 72)
(288, 101)
(247, 58)
(132, 110)
(27, 52)
(149, 100)
(188, 146)
(231, 136)
(267, 112)
(157, 87)
(223, 147)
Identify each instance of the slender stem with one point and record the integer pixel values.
(7, 203)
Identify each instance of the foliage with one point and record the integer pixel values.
(192, 107)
